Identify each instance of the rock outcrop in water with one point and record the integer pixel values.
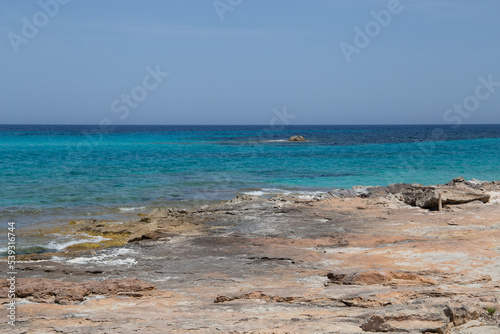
(297, 138)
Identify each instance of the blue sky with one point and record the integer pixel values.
(88, 56)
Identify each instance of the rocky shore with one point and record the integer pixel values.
(401, 259)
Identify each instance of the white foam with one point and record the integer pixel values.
(109, 258)
(275, 191)
(138, 208)
(254, 193)
(99, 260)
(34, 261)
(61, 246)
(86, 238)
(123, 251)
(475, 182)
(67, 242)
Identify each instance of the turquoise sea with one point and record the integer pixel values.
(53, 174)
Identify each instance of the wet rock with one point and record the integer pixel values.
(35, 257)
(168, 220)
(159, 213)
(244, 198)
(149, 236)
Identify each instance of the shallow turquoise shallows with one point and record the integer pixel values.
(56, 173)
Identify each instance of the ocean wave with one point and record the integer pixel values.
(108, 257)
(276, 191)
(100, 260)
(53, 245)
(132, 209)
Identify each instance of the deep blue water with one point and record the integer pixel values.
(53, 173)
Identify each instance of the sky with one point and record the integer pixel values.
(246, 61)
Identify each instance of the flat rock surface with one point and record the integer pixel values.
(326, 264)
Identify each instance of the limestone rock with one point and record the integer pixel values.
(357, 191)
(61, 292)
(461, 315)
(297, 138)
(387, 277)
(428, 197)
(244, 198)
(412, 319)
(149, 236)
(159, 213)
(420, 318)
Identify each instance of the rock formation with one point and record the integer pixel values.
(428, 197)
(60, 292)
(455, 192)
(297, 138)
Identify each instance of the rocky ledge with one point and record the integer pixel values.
(363, 260)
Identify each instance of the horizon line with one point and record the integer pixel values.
(378, 124)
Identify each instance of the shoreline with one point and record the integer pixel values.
(366, 259)
(123, 214)
(72, 237)
(40, 236)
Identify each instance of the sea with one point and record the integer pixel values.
(52, 174)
